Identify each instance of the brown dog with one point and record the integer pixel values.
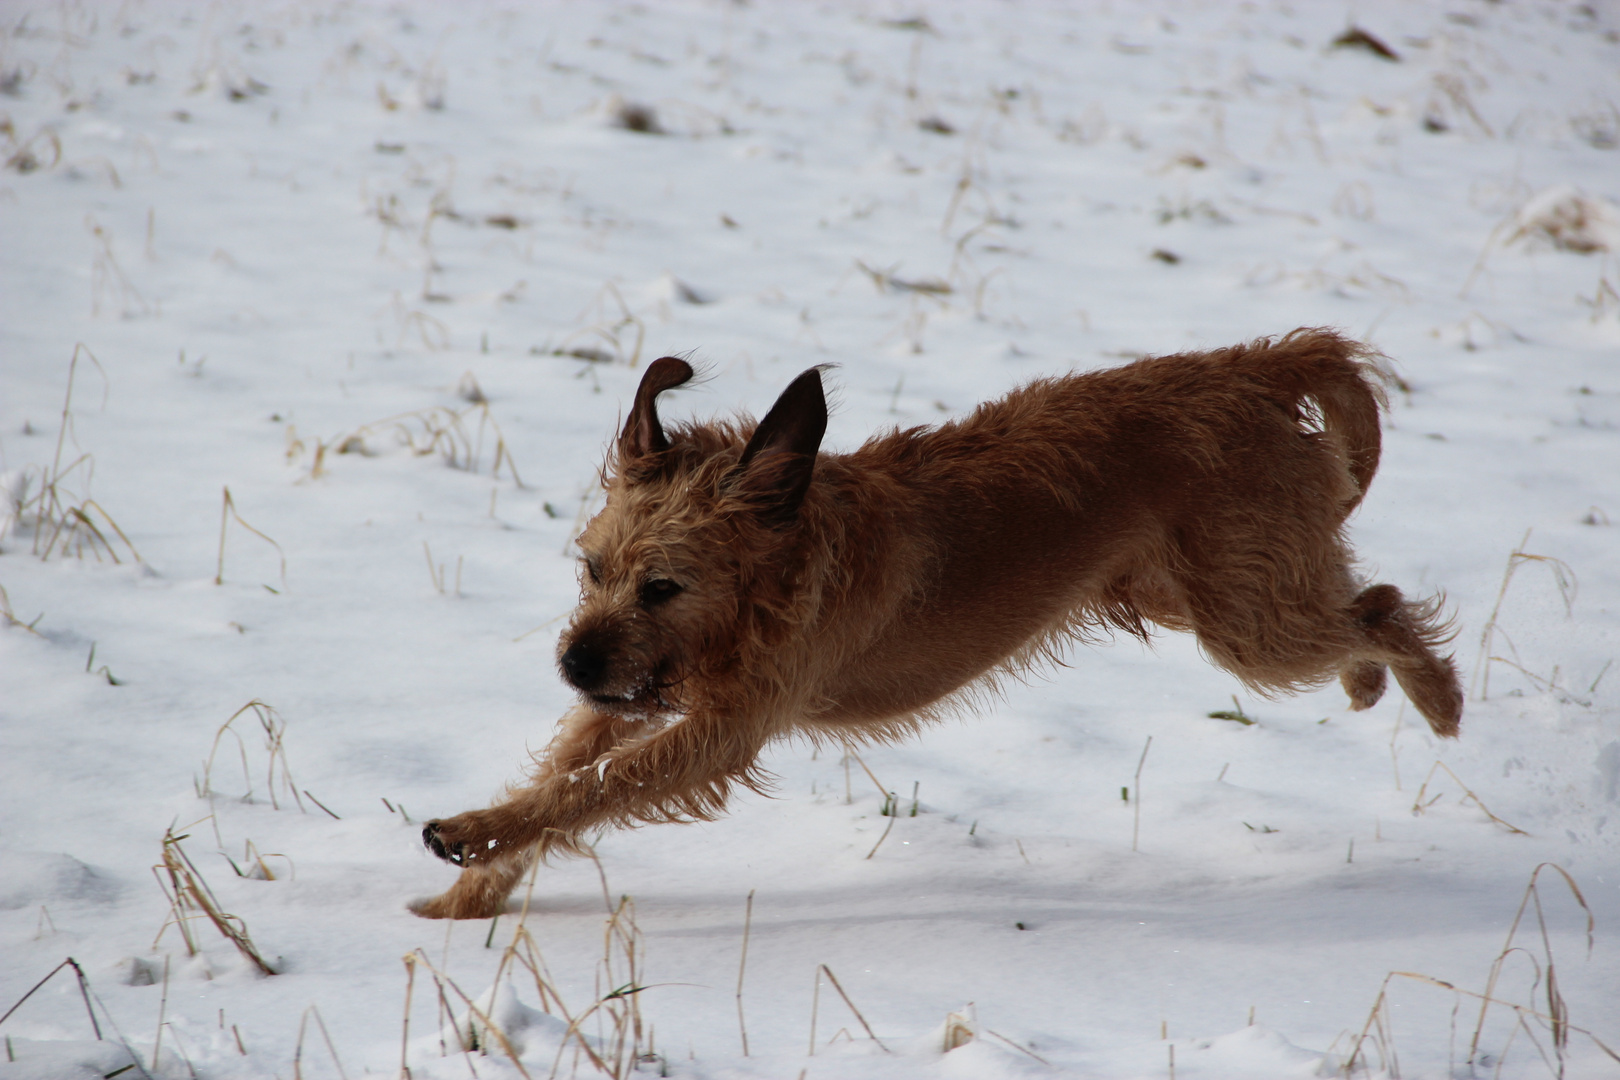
(739, 587)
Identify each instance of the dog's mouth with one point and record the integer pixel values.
(646, 698)
(619, 700)
(637, 706)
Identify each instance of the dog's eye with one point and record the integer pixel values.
(659, 590)
(592, 571)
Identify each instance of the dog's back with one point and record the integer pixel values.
(1200, 492)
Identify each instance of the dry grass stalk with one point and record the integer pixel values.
(1418, 805)
(62, 523)
(1563, 577)
(84, 992)
(1354, 37)
(851, 755)
(10, 617)
(886, 281)
(1561, 216)
(1378, 1023)
(436, 572)
(405, 1023)
(1453, 89)
(886, 829)
(961, 1028)
(823, 969)
(1377, 1028)
(254, 860)
(434, 334)
(23, 155)
(190, 898)
(483, 1022)
(1136, 793)
(227, 511)
(623, 1040)
(742, 966)
(298, 1052)
(609, 326)
(275, 730)
(439, 430)
(1605, 298)
(163, 1008)
(1557, 1015)
(1043, 1061)
(1554, 1022)
(106, 276)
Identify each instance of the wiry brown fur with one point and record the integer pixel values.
(740, 587)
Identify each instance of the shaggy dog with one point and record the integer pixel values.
(739, 586)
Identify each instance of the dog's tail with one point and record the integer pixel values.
(1338, 384)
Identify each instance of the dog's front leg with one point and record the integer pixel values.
(682, 772)
(490, 872)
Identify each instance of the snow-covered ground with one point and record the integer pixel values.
(275, 249)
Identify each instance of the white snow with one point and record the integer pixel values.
(344, 262)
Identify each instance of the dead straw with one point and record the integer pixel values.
(190, 898)
(1136, 793)
(824, 969)
(1418, 805)
(742, 966)
(227, 511)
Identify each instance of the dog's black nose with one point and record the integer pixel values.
(582, 666)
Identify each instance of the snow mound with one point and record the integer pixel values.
(1568, 219)
(38, 877)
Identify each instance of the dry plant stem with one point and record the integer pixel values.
(1031, 1053)
(868, 1027)
(325, 1035)
(227, 511)
(11, 619)
(620, 1006)
(67, 402)
(1557, 1012)
(1563, 576)
(51, 513)
(1523, 1015)
(84, 991)
(190, 898)
(850, 750)
(275, 730)
(742, 967)
(882, 838)
(426, 431)
(608, 330)
(473, 1010)
(1376, 1027)
(1418, 805)
(405, 1023)
(815, 1004)
(163, 1008)
(322, 805)
(1136, 793)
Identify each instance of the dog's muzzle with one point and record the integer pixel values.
(583, 667)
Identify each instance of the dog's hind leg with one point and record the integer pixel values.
(1365, 682)
(1404, 635)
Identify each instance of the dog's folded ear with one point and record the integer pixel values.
(776, 465)
(643, 436)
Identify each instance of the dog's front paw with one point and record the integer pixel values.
(464, 839)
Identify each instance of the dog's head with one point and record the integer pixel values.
(696, 553)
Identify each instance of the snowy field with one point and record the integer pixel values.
(388, 275)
